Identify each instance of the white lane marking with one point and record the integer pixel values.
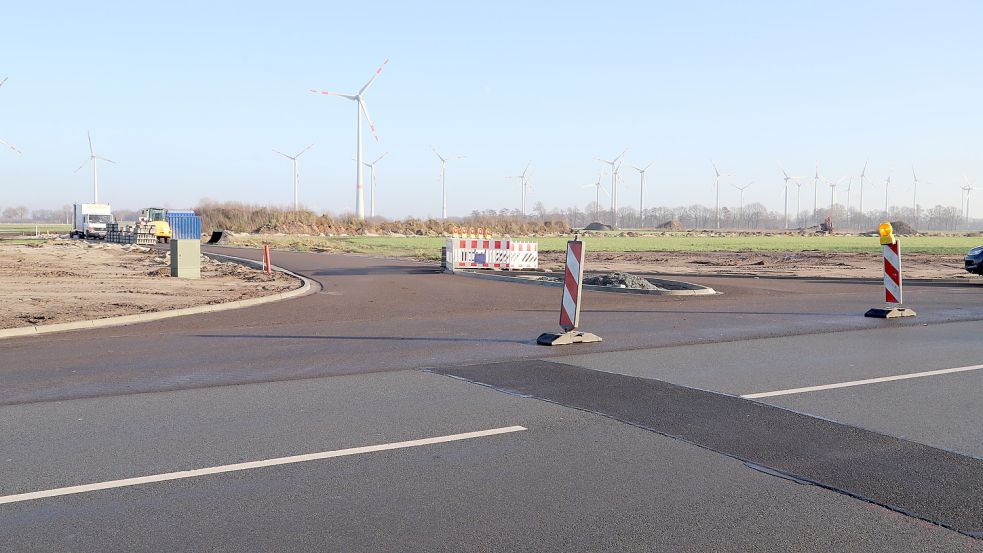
(252, 465)
(861, 382)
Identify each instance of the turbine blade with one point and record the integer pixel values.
(715, 170)
(864, 172)
(329, 93)
(83, 165)
(91, 152)
(374, 77)
(282, 154)
(365, 110)
(11, 146)
(378, 158)
(104, 159)
(625, 151)
(438, 155)
(304, 150)
(3, 80)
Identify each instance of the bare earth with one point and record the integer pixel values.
(63, 281)
(799, 264)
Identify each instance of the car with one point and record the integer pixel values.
(974, 260)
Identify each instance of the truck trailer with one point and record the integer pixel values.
(91, 220)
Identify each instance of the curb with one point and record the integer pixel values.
(305, 288)
(690, 289)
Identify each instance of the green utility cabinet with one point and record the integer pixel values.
(186, 258)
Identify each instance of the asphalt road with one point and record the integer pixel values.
(596, 470)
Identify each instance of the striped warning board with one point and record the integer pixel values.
(572, 286)
(471, 253)
(892, 272)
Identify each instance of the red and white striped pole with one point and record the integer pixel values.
(573, 278)
(892, 277)
(892, 273)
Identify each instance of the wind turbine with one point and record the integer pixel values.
(359, 99)
(914, 194)
(862, 174)
(524, 184)
(967, 189)
(296, 174)
(641, 198)
(887, 186)
(832, 191)
(742, 189)
(615, 166)
(798, 202)
(371, 167)
(787, 179)
(597, 188)
(716, 186)
(95, 169)
(11, 146)
(849, 185)
(815, 195)
(443, 180)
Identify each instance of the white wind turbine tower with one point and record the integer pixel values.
(716, 186)
(815, 196)
(371, 167)
(787, 179)
(296, 173)
(914, 194)
(641, 198)
(887, 186)
(443, 180)
(798, 202)
(862, 174)
(967, 190)
(95, 169)
(524, 184)
(359, 110)
(615, 166)
(11, 146)
(832, 191)
(849, 185)
(597, 186)
(742, 189)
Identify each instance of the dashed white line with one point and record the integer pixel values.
(252, 465)
(860, 382)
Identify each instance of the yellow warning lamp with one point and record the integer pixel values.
(887, 234)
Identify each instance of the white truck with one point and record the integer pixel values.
(91, 220)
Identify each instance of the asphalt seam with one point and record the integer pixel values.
(755, 464)
(36, 330)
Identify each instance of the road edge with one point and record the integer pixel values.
(306, 288)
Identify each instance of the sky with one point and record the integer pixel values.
(190, 98)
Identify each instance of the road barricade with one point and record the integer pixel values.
(476, 250)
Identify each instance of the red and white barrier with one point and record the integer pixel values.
(480, 253)
(892, 273)
(573, 278)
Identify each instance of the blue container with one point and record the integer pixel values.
(185, 225)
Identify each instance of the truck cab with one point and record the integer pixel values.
(91, 220)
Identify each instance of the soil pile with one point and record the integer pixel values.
(598, 226)
(620, 280)
(671, 225)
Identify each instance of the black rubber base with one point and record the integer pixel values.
(572, 337)
(889, 312)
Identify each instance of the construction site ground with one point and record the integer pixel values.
(62, 281)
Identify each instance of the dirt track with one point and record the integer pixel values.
(803, 264)
(63, 281)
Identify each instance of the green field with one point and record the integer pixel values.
(18, 229)
(429, 247)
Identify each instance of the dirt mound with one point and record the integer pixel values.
(901, 227)
(598, 226)
(671, 225)
(620, 280)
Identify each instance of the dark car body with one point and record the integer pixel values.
(974, 260)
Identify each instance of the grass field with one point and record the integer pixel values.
(429, 247)
(17, 229)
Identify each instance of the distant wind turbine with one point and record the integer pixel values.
(95, 169)
(967, 190)
(615, 167)
(887, 186)
(443, 180)
(359, 99)
(716, 186)
(597, 186)
(815, 196)
(914, 194)
(371, 167)
(296, 173)
(524, 185)
(11, 146)
(641, 197)
(787, 179)
(863, 173)
(742, 189)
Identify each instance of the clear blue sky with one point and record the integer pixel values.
(190, 97)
